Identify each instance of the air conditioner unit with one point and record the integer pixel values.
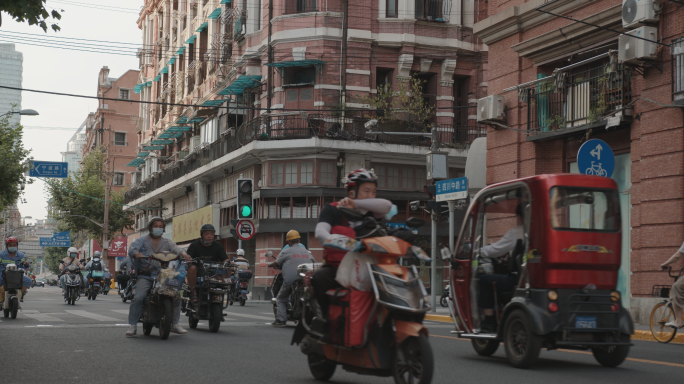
(194, 143)
(636, 13)
(633, 50)
(491, 108)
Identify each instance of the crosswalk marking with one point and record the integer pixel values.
(41, 317)
(124, 311)
(92, 315)
(250, 316)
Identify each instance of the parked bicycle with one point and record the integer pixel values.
(663, 312)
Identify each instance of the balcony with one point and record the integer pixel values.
(433, 10)
(299, 6)
(574, 102)
(300, 127)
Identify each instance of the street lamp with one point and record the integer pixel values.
(23, 112)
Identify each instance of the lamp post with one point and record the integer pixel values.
(23, 112)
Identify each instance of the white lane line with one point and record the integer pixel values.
(93, 316)
(249, 316)
(41, 317)
(124, 311)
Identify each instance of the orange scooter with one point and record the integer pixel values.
(380, 332)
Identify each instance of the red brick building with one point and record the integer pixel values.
(608, 86)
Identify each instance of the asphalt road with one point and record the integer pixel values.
(51, 342)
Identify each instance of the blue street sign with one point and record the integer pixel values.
(596, 158)
(50, 242)
(452, 189)
(48, 169)
(62, 236)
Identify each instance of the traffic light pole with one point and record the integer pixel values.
(452, 207)
(433, 264)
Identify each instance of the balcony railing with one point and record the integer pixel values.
(433, 10)
(678, 71)
(578, 99)
(299, 6)
(298, 127)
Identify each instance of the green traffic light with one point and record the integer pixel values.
(246, 211)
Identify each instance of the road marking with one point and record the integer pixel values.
(93, 316)
(249, 316)
(41, 317)
(589, 353)
(124, 311)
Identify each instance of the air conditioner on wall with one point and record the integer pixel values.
(633, 50)
(639, 12)
(491, 108)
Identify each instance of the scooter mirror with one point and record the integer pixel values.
(270, 254)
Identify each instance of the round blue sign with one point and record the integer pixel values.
(596, 158)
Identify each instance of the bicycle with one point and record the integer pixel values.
(663, 312)
(596, 170)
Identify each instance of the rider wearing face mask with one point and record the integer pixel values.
(207, 250)
(12, 255)
(71, 259)
(146, 272)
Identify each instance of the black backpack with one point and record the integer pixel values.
(96, 266)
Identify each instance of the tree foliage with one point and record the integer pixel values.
(81, 196)
(31, 11)
(406, 104)
(52, 257)
(13, 157)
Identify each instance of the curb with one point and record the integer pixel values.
(441, 318)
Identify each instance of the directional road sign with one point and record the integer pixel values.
(62, 236)
(452, 189)
(245, 229)
(51, 242)
(596, 158)
(48, 169)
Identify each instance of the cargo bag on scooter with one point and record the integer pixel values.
(13, 279)
(245, 274)
(348, 312)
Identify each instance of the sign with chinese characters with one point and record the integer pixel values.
(59, 239)
(452, 189)
(118, 246)
(187, 227)
(48, 169)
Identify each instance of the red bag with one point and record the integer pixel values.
(333, 256)
(348, 313)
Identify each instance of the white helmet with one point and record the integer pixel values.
(240, 252)
(72, 250)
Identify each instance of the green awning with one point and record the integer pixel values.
(182, 120)
(161, 142)
(177, 129)
(136, 162)
(215, 14)
(191, 39)
(165, 70)
(172, 61)
(143, 154)
(239, 85)
(203, 27)
(196, 120)
(225, 1)
(137, 87)
(180, 51)
(157, 78)
(212, 103)
(297, 63)
(154, 147)
(170, 135)
(148, 84)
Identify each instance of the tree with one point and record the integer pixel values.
(81, 196)
(32, 11)
(52, 257)
(13, 159)
(405, 105)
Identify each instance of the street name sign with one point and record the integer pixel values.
(452, 189)
(51, 242)
(48, 169)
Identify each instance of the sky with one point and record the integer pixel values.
(72, 70)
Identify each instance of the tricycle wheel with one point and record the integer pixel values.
(521, 344)
(216, 316)
(413, 362)
(485, 347)
(614, 355)
(147, 328)
(321, 368)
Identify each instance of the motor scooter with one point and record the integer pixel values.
(128, 293)
(380, 332)
(238, 289)
(211, 290)
(12, 278)
(159, 302)
(296, 300)
(72, 288)
(445, 296)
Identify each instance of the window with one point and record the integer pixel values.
(209, 131)
(118, 179)
(393, 177)
(327, 173)
(391, 8)
(431, 10)
(300, 6)
(306, 176)
(123, 94)
(299, 76)
(404, 177)
(584, 209)
(277, 174)
(290, 173)
(120, 138)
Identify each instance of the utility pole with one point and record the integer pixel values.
(105, 227)
(433, 243)
(269, 82)
(343, 69)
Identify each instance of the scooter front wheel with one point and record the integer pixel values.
(167, 318)
(413, 362)
(14, 308)
(321, 368)
(242, 301)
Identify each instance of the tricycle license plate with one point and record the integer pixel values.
(586, 322)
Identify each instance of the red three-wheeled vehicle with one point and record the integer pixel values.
(553, 276)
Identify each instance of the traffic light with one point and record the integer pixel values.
(245, 202)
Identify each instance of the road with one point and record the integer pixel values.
(51, 342)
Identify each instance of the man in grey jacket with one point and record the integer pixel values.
(288, 261)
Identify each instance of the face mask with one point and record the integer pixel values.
(73, 255)
(393, 211)
(12, 249)
(206, 242)
(157, 232)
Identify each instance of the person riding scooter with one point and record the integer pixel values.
(288, 261)
(12, 255)
(93, 265)
(71, 259)
(207, 250)
(124, 268)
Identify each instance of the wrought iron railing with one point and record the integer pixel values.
(572, 100)
(302, 127)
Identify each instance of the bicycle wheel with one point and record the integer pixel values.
(661, 314)
(589, 171)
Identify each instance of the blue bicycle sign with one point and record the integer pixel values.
(596, 158)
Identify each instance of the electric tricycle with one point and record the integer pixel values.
(557, 283)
